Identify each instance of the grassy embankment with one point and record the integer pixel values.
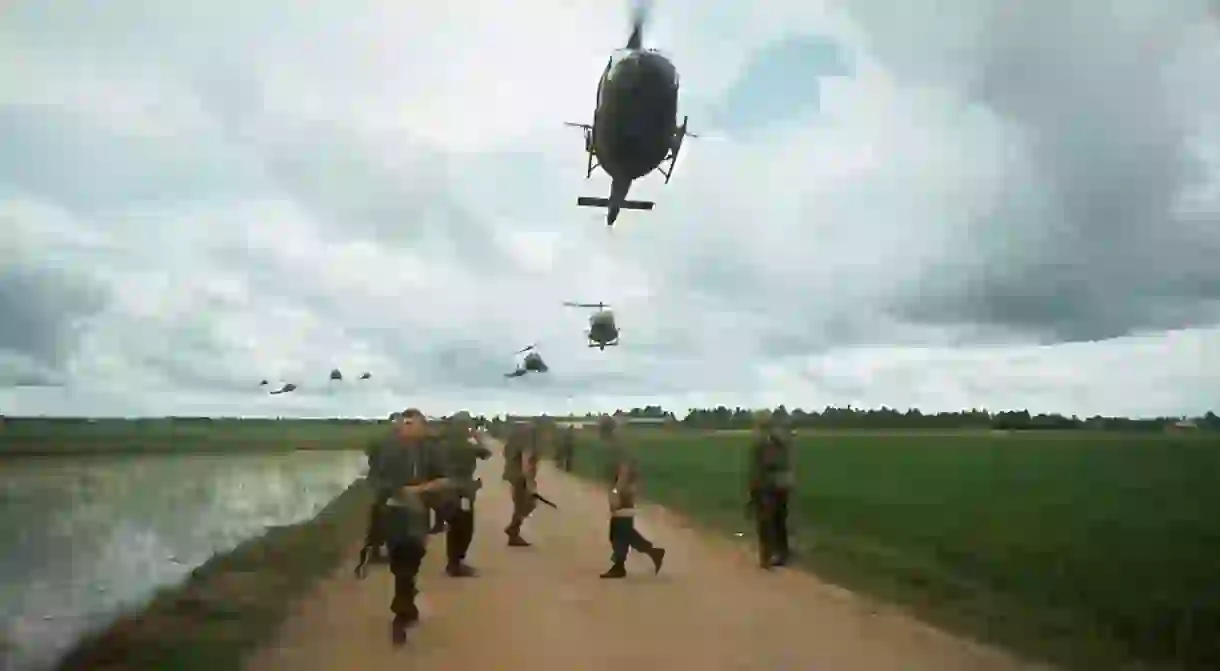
(39, 438)
(1089, 550)
(235, 601)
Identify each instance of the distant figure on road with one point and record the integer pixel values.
(770, 481)
(409, 468)
(622, 475)
(521, 473)
(464, 452)
(565, 449)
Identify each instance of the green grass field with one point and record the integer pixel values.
(50, 437)
(1091, 550)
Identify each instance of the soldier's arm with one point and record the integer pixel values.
(754, 467)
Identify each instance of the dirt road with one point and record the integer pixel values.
(544, 608)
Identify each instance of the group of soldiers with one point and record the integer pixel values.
(424, 484)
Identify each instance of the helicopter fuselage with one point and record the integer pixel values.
(603, 331)
(635, 121)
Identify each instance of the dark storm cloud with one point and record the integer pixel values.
(1094, 245)
(41, 311)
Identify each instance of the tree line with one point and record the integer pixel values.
(722, 417)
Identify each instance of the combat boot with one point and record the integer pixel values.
(460, 570)
(402, 622)
(616, 571)
(514, 538)
(658, 558)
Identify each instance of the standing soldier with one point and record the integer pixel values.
(622, 475)
(409, 468)
(521, 473)
(565, 449)
(464, 452)
(770, 480)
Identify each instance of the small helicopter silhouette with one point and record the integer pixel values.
(603, 332)
(634, 127)
(532, 363)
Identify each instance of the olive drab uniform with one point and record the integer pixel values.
(520, 471)
(565, 449)
(622, 478)
(404, 522)
(770, 481)
(463, 451)
(374, 538)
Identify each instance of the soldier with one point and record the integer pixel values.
(770, 480)
(408, 468)
(521, 473)
(622, 475)
(464, 451)
(565, 449)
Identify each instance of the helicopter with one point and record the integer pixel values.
(634, 129)
(532, 363)
(286, 389)
(603, 332)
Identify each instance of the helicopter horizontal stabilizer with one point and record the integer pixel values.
(586, 201)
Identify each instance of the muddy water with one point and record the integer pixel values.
(81, 539)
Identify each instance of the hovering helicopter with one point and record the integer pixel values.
(634, 127)
(288, 388)
(603, 332)
(336, 375)
(365, 376)
(532, 363)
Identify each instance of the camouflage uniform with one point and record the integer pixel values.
(770, 481)
(565, 449)
(463, 456)
(404, 521)
(374, 538)
(520, 471)
(622, 477)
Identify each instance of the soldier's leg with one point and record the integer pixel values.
(405, 559)
(457, 542)
(620, 545)
(780, 519)
(639, 543)
(521, 510)
(765, 526)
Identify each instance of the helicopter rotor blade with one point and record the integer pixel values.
(526, 349)
(640, 9)
(585, 305)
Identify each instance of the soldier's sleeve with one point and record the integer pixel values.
(439, 461)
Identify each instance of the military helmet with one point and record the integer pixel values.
(763, 419)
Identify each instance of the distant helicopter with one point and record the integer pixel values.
(365, 376)
(290, 387)
(603, 332)
(634, 127)
(532, 363)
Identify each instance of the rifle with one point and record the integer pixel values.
(542, 499)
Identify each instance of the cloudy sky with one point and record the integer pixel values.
(936, 204)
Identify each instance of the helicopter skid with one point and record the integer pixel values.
(603, 345)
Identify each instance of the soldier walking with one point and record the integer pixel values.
(565, 449)
(409, 467)
(374, 539)
(521, 473)
(622, 475)
(464, 452)
(769, 483)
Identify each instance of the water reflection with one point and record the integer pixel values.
(83, 538)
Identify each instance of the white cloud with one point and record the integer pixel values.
(262, 190)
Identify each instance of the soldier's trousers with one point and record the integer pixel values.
(405, 559)
(374, 537)
(565, 463)
(772, 524)
(459, 534)
(624, 537)
(523, 505)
